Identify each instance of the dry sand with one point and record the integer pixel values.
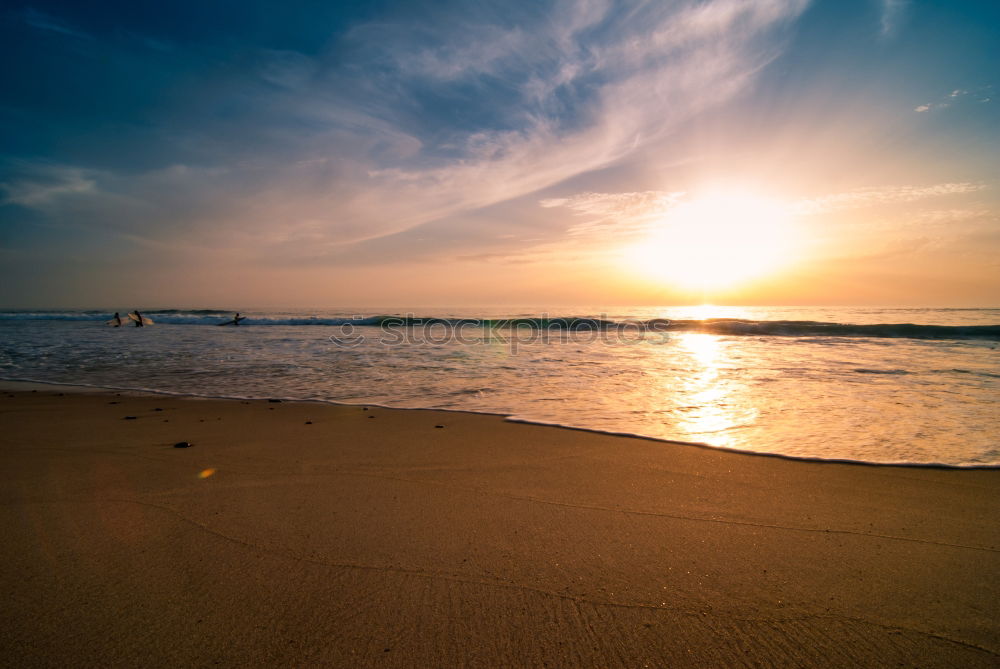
(375, 538)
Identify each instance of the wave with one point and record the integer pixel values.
(881, 371)
(210, 312)
(733, 326)
(717, 326)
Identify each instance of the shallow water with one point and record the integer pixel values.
(780, 380)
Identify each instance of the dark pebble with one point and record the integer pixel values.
(439, 426)
(183, 444)
(274, 401)
(129, 418)
(309, 422)
(371, 416)
(365, 409)
(114, 402)
(157, 409)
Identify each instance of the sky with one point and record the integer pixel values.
(299, 154)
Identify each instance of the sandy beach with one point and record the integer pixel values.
(297, 534)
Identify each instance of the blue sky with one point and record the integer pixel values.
(351, 153)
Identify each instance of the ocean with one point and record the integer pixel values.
(878, 385)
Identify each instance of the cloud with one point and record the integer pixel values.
(892, 15)
(632, 213)
(622, 213)
(286, 69)
(936, 217)
(877, 196)
(604, 222)
(42, 186)
(981, 94)
(643, 77)
(402, 122)
(40, 21)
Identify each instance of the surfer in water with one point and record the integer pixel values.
(236, 320)
(138, 319)
(118, 320)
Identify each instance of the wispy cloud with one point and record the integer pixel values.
(404, 123)
(581, 104)
(980, 95)
(624, 214)
(41, 21)
(871, 197)
(892, 13)
(621, 213)
(940, 216)
(42, 186)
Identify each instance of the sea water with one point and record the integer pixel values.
(870, 384)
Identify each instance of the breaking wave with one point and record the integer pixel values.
(718, 326)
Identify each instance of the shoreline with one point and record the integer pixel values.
(319, 534)
(17, 385)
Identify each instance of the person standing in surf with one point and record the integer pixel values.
(138, 319)
(118, 320)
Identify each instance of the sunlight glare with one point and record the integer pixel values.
(716, 241)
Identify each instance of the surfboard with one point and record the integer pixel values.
(235, 321)
(145, 321)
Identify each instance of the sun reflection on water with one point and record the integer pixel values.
(713, 405)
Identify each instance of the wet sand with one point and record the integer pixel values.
(305, 534)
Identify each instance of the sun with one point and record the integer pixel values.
(716, 241)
